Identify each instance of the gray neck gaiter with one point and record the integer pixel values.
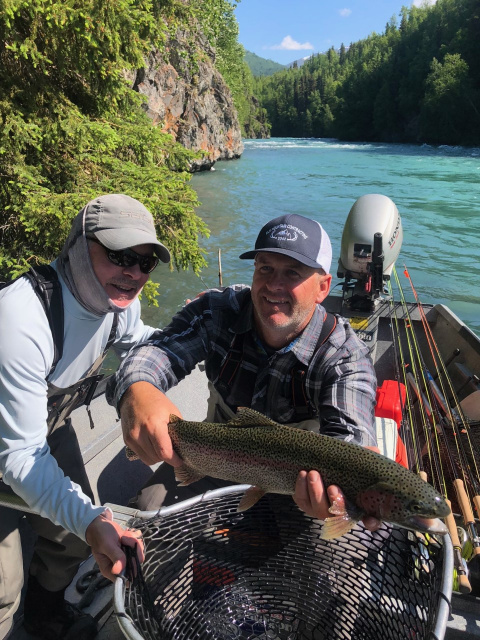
(76, 269)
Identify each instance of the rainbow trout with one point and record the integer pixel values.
(252, 449)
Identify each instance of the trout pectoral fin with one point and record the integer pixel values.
(185, 475)
(337, 526)
(341, 523)
(250, 497)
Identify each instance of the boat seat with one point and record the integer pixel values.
(387, 435)
(468, 378)
(471, 406)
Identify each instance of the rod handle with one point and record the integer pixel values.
(476, 502)
(462, 579)
(464, 585)
(452, 527)
(463, 501)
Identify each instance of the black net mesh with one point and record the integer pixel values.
(213, 573)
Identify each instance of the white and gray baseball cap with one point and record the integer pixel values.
(296, 236)
(118, 222)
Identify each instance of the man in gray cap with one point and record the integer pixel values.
(271, 347)
(106, 260)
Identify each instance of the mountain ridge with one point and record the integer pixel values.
(262, 66)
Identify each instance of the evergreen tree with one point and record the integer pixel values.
(449, 111)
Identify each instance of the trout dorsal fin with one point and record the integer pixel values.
(249, 418)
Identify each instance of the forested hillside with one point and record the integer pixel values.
(419, 81)
(261, 66)
(73, 127)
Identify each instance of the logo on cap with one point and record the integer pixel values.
(285, 232)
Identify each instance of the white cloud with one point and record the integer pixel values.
(423, 3)
(289, 44)
(345, 12)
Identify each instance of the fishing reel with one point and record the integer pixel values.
(467, 562)
(371, 241)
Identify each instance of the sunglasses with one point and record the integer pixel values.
(129, 258)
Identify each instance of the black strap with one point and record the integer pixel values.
(112, 334)
(46, 285)
(231, 364)
(96, 379)
(302, 405)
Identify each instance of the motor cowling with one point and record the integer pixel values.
(370, 214)
(371, 242)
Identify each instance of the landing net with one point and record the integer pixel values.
(213, 573)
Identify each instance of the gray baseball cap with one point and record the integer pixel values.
(119, 222)
(296, 236)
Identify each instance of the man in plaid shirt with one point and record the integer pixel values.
(255, 342)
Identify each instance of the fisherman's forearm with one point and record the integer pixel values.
(144, 364)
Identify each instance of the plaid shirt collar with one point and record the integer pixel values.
(303, 346)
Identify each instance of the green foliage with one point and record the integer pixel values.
(449, 102)
(72, 128)
(261, 66)
(419, 81)
(219, 25)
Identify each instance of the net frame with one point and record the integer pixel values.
(226, 575)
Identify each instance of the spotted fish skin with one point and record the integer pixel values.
(252, 449)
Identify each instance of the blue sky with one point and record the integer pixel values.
(286, 30)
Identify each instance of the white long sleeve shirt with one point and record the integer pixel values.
(26, 356)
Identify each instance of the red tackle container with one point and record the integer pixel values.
(389, 404)
(390, 400)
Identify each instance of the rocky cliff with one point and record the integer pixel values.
(189, 97)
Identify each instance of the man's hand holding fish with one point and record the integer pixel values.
(145, 412)
(311, 497)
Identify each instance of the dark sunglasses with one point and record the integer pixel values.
(129, 258)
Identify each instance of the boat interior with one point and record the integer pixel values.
(428, 366)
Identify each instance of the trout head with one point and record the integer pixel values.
(418, 510)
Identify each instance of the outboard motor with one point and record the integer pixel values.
(371, 241)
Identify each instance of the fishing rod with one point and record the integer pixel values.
(413, 381)
(406, 406)
(460, 486)
(454, 415)
(427, 400)
(436, 467)
(450, 414)
(455, 418)
(426, 416)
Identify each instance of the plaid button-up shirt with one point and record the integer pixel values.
(340, 380)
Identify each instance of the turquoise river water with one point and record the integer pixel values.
(436, 190)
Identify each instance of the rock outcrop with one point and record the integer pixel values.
(190, 98)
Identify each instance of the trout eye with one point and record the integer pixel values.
(415, 507)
